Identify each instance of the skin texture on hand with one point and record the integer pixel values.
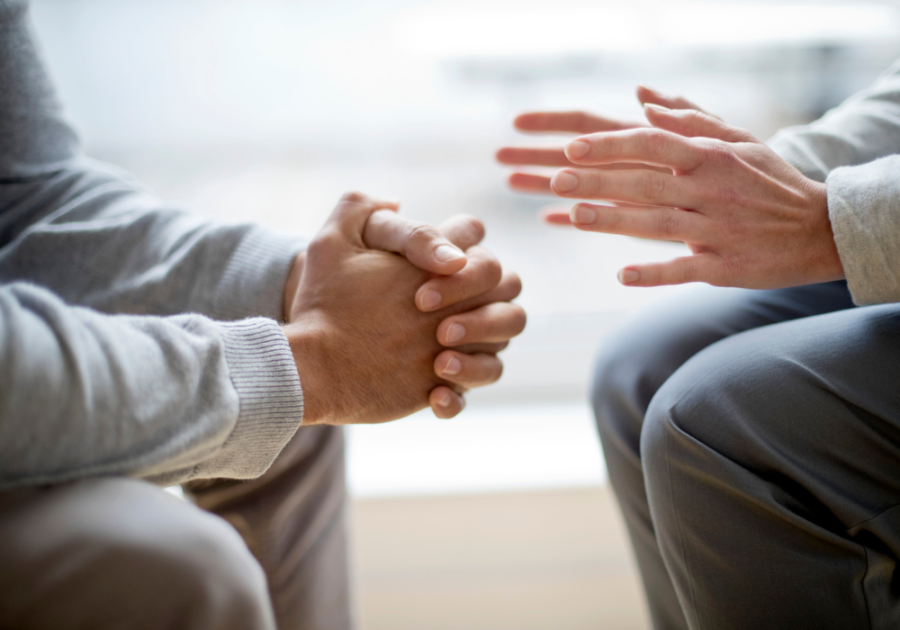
(749, 218)
(364, 351)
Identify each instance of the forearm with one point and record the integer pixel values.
(92, 235)
(168, 399)
(96, 238)
(863, 129)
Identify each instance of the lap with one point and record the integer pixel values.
(812, 402)
(772, 461)
(121, 553)
(638, 358)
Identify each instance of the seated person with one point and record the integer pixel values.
(139, 343)
(752, 433)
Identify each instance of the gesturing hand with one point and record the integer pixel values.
(750, 219)
(364, 352)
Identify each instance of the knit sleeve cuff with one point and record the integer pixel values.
(864, 208)
(262, 370)
(252, 283)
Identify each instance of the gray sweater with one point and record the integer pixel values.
(136, 339)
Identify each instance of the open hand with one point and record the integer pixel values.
(749, 218)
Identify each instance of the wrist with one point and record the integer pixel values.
(828, 265)
(307, 347)
(292, 285)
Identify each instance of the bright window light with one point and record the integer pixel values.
(489, 29)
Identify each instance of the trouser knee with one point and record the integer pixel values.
(113, 553)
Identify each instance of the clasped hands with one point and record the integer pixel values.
(749, 218)
(386, 316)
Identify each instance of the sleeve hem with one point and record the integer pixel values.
(263, 372)
(862, 210)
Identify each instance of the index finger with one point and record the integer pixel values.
(571, 122)
(420, 243)
(648, 146)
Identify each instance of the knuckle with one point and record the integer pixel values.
(696, 117)
(656, 141)
(745, 135)
(519, 319)
(421, 233)
(608, 219)
(686, 272)
(720, 154)
(497, 371)
(668, 224)
(323, 243)
(651, 186)
(353, 196)
(734, 268)
(475, 225)
(491, 270)
(514, 284)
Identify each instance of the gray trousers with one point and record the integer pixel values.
(753, 441)
(121, 553)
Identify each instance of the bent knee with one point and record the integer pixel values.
(629, 368)
(134, 554)
(199, 566)
(736, 401)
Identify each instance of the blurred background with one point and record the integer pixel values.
(267, 110)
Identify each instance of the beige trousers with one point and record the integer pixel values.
(121, 553)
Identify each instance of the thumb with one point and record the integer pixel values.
(422, 244)
(693, 123)
(351, 214)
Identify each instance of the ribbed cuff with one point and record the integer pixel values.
(263, 372)
(862, 206)
(253, 281)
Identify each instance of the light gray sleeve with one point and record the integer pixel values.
(864, 207)
(87, 393)
(94, 236)
(853, 149)
(864, 128)
(167, 399)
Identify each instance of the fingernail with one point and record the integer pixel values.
(578, 149)
(446, 253)
(583, 215)
(445, 400)
(657, 108)
(455, 332)
(454, 366)
(629, 276)
(431, 300)
(564, 181)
